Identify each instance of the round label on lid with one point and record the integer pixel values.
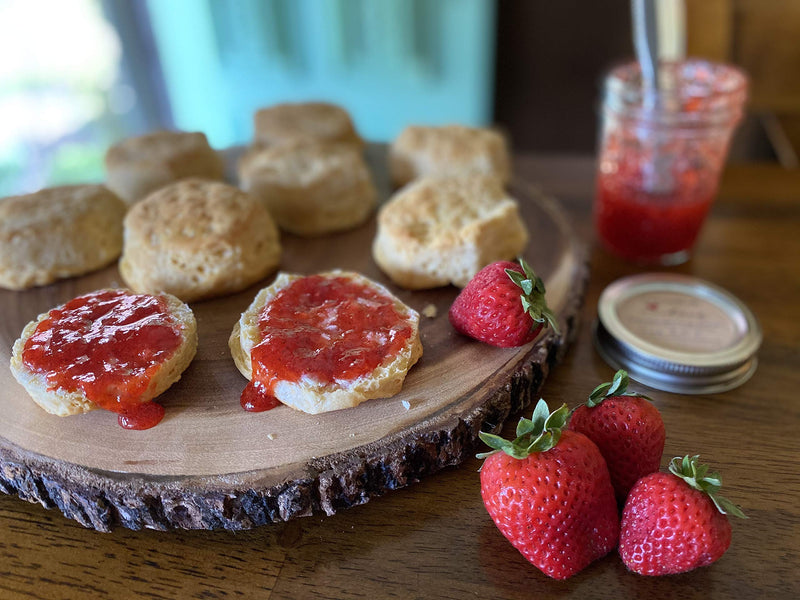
(677, 333)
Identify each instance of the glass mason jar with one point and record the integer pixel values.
(661, 156)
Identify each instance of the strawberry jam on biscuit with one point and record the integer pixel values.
(319, 339)
(107, 345)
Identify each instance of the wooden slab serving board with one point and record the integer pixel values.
(209, 464)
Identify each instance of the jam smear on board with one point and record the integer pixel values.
(329, 329)
(143, 416)
(107, 344)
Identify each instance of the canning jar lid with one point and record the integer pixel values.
(677, 333)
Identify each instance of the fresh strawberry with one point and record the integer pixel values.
(502, 305)
(548, 491)
(675, 522)
(626, 427)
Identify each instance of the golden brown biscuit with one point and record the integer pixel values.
(62, 402)
(198, 239)
(139, 165)
(305, 121)
(442, 230)
(310, 189)
(58, 232)
(449, 150)
(309, 394)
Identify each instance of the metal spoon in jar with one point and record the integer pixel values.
(656, 91)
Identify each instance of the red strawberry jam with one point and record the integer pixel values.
(645, 226)
(107, 344)
(328, 329)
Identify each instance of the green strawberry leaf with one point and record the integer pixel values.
(492, 440)
(598, 395)
(558, 418)
(726, 507)
(687, 463)
(696, 476)
(521, 280)
(540, 414)
(525, 426)
(617, 387)
(544, 442)
(540, 433)
(527, 305)
(495, 442)
(619, 384)
(533, 296)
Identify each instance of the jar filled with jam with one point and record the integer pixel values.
(661, 153)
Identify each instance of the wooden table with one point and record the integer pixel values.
(435, 539)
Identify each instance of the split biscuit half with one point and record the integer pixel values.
(311, 395)
(63, 403)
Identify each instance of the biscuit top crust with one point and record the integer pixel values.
(302, 163)
(451, 143)
(319, 121)
(436, 210)
(58, 232)
(107, 344)
(52, 205)
(194, 213)
(328, 328)
(158, 147)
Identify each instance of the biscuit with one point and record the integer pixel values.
(310, 394)
(62, 402)
(310, 189)
(441, 230)
(57, 233)
(137, 166)
(307, 121)
(448, 150)
(198, 239)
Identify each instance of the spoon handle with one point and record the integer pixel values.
(645, 43)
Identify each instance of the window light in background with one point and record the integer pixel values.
(57, 91)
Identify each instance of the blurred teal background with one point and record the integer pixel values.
(389, 62)
(79, 75)
(85, 73)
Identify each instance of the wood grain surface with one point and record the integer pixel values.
(209, 464)
(434, 539)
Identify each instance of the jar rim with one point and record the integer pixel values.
(692, 91)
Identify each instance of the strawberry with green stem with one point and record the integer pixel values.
(627, 428)
(549, 493)
(503, 305)
(675, 522)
